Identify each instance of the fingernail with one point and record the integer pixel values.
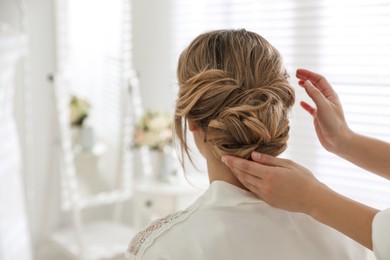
(307, 84)
(256, 155)
(223, 159)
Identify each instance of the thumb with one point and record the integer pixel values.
(315, 94)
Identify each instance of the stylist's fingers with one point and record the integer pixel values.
(246, 166)
(269, 160)
(319, 99)
(318, 80)
(307, 107)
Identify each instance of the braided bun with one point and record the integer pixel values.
(234, 87)
(259, 125)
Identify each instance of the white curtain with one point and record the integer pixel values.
(14, 230)
(347, 41)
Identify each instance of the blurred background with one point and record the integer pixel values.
(87, 92)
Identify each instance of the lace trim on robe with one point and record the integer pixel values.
(145, 237)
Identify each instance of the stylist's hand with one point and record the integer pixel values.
(279, 182)
(329, 121)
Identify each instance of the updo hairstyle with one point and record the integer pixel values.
(233, 85)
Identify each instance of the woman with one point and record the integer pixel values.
(287, 185)
(235, 97)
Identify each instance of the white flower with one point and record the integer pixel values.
(154, 130)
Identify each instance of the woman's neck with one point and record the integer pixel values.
(217, 170)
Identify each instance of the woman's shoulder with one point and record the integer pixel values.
(152, 233)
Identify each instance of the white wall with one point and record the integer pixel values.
(42, 57)
(151, 52)
(9, 13)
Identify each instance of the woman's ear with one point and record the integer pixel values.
(192, 126)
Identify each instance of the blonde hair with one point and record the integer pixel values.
(233, 85)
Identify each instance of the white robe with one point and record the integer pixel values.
(227, 222)
(381, 235)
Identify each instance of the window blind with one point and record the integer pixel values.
(97, 49)
(346, 41)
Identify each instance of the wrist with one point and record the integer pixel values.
(319, 199)
(344, 142)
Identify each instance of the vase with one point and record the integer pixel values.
(75, 135)
(87, 138)
(164, 166)
(83, 137)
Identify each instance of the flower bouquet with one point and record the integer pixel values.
(79, 109)
(82, 135)
(154, 130)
